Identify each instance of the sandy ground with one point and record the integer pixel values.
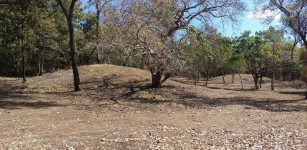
(116, 110)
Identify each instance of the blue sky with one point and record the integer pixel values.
(251, 20)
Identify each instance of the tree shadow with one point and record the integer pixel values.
(116, 89)
(34, 105)
(12, 96)
(267, 104)
(211, 85)
(8, 89)
(302, 93)
(230, 89)
(113, 88)
(192, 100)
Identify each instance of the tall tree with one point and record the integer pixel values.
(273, 38)
(293, 17)
(69, 14)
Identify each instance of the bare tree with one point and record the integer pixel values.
(69, 14)
(159, 20)
(293, 16)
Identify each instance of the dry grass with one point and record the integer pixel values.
(117, 110)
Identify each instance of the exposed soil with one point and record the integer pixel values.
(117, 110)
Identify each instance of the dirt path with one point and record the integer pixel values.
(116, 111)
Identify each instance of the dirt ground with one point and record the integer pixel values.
(117, 110)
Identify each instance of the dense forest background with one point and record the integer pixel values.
(166, 37)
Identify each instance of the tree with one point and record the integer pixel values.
(158, 21)
(293, 17)
(273, 38)
(22, 19)
(69, 14)
(208, 53)
(255, 55)
(236, 62)
(13, 37)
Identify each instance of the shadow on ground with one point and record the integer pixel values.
(139, 91)
(18, 105)
(13, 97)
(293, 92)
(114, 89)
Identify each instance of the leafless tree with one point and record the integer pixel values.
(157, 21)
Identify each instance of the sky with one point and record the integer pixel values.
(252, 20)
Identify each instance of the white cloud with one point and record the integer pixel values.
(264, 14)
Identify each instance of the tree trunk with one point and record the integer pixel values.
(195, 77)
(156, 79)
(273, 69)
(144, 59)
(232, 78)
(260, 82)
(241, 81)
(22, 42)
(224, 79)
(97, 32)
(305, 43)
(73, 54)
(256, 82)
(40, 64)
(23, 62)
(273, 79)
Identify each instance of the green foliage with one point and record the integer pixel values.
(254, 51)
(43, 34)
(291, 70)
(211, 55)
(38, 27)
